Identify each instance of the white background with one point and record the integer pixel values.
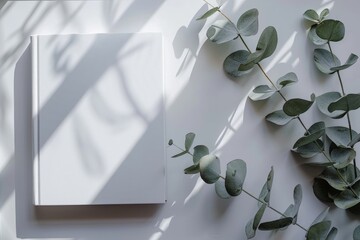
(200, 98)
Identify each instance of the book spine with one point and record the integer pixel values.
(35, 111)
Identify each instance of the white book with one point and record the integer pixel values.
(98, 119)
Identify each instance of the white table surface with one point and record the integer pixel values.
(200, 98)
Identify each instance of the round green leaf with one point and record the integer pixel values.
(342, 156)
(340, 135)
(316, 131)
(209, 168)
(253, 224)
(318, 231)
(311, 15)
(314, 38)
(266, 189)
(346, 103)
(222, 31)
(323, 101)
(356, 234)
(296, 106)
(323, 190)
(248, 22)
(346, 199)
(199, 152)
(261, 92)
(221, 190)
(325, 60)
(287, 80)
(235, 176)
(267, 42)
(234, 60)
(352, 59)
(331, 30)
(332, 234)
(278, 117)
(310, 150)
(324, 13)
(208, 13)
(189, 139)
(330, 175)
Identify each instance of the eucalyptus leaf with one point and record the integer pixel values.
(330, 175)
(248, 22)
(355, 140)
(287, 80)
(235, 176)
(347, 199)
(234, 60)
(297, 201)
(222, 31)
(208, 13)
(342, 156)
(199, 152)
(316, 131)
(267, 42)
(346, 103)
(189, 139)
(332, 234)
(278, 117)
(319, 231)
(193, 169)
(266, 189)
(311, 15)
(221, 190)
(253, 224)
(323, 101)
(325, 60)
(276, 224)
(349, 62)
(180, 154)
(340, 136)
(331, 30)
(324, 13)
(209, 168)
(356, 234)
(323, 190)
(310, 150)
(321, 216)
(261, 92)
(319, 164)
(296, 106)
(314, 38)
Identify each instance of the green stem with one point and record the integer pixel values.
(347, 114)
(284, 98)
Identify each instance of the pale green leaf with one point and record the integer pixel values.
(278, 117)
(311, 15)
(287, 80)
(266, 189)
(222, 31)
(314, 38)
(267, 42)
(221, 190)
(297, 201)
(324, 13)
(332, 234)
(310, 150)
(349, 62)
(199, 152)
(325, 60)
(208, 13)
(342, 156)
(193, 169)
(276, 224)
(234, 60)
(356, 234)
(323, 101)
(355, 140)
(318, 231)
(331, 30)
(296, 106)
(261, 92)
(346, 103)
(347, 199)
(330, 175)
(180, 154)
(321, 216)
(253, 224)
(316, 131)
(189, 139)
(235, 176)
(248, 22)
(323, 190)
(209, 168)
(340, 135)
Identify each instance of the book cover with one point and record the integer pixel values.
(98, 119)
